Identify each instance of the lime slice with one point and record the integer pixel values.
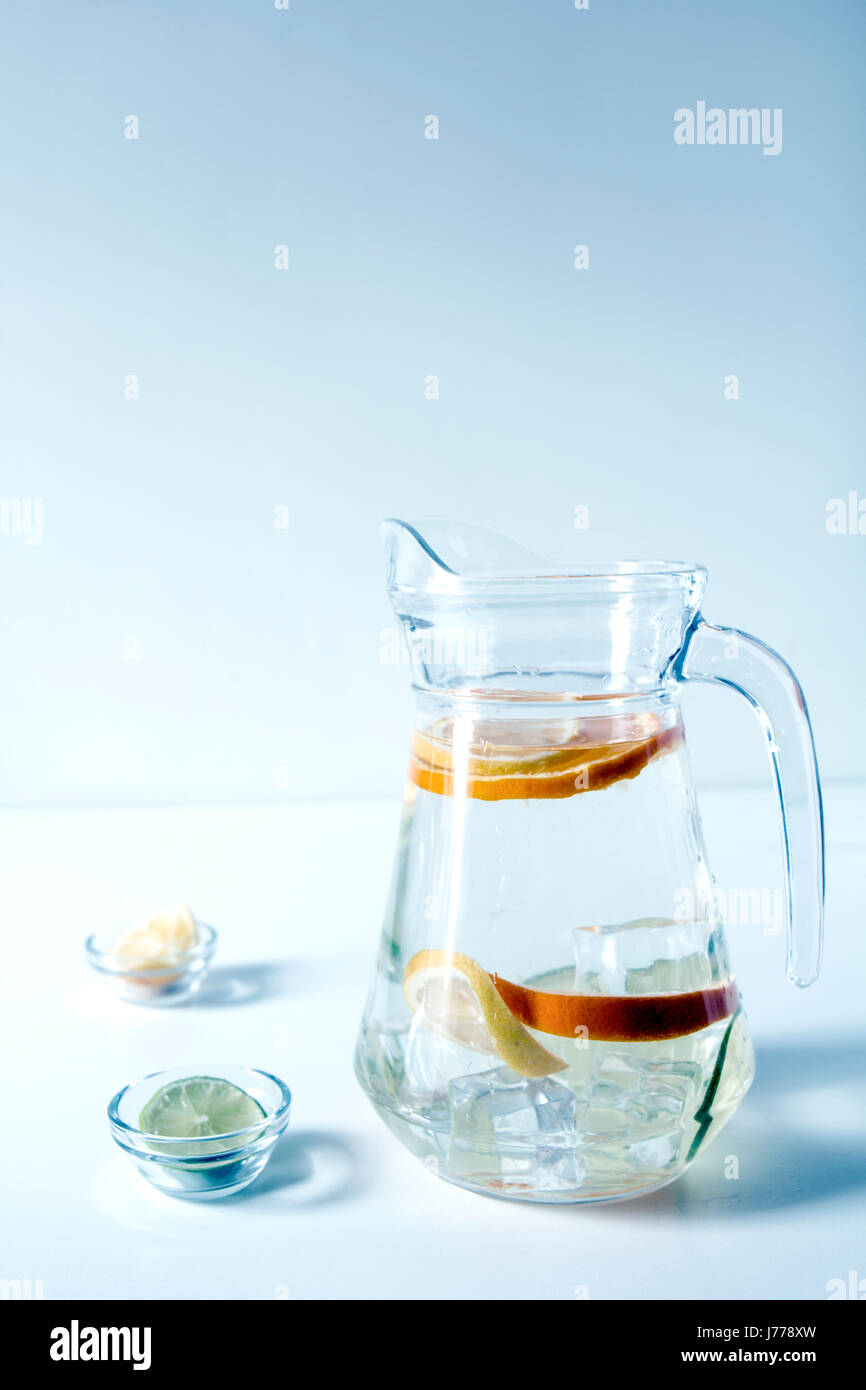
(201, 1108)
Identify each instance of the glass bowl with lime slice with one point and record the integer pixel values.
(200, 1133)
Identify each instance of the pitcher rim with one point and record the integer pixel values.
(616, 574)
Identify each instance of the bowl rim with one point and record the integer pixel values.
(105, 960)
(280, 1112)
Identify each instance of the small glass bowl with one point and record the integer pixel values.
(221, 1165)
(164, 984)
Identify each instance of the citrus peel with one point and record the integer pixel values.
(551, 759)
(455, 997)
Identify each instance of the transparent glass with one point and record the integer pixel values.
(205, 1169)
(553, 1014)
(156, 986)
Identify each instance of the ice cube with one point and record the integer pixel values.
(648, 956)
(671, 976)
(656, 1155)
(513, 1129)
(633, 1099)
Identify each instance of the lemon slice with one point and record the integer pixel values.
(456, 998)
(161, 941)
(538, 758)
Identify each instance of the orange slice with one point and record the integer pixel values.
(520, 760)
(452, 994)
(619, 1018)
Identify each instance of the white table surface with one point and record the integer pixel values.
(343, 1211)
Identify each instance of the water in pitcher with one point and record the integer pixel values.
(552, 1013)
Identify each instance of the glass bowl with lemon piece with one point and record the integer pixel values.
(200, 1134)
(160, 961)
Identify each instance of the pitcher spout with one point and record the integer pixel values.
(431, 555)
(480, 611)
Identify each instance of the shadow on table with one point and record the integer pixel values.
(311, 1168)
(228, 985)
(798, 1137)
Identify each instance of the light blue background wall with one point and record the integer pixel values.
(164, 641)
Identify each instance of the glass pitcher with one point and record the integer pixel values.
(552, 1015)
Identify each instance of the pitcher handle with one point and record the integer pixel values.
(733, 658)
